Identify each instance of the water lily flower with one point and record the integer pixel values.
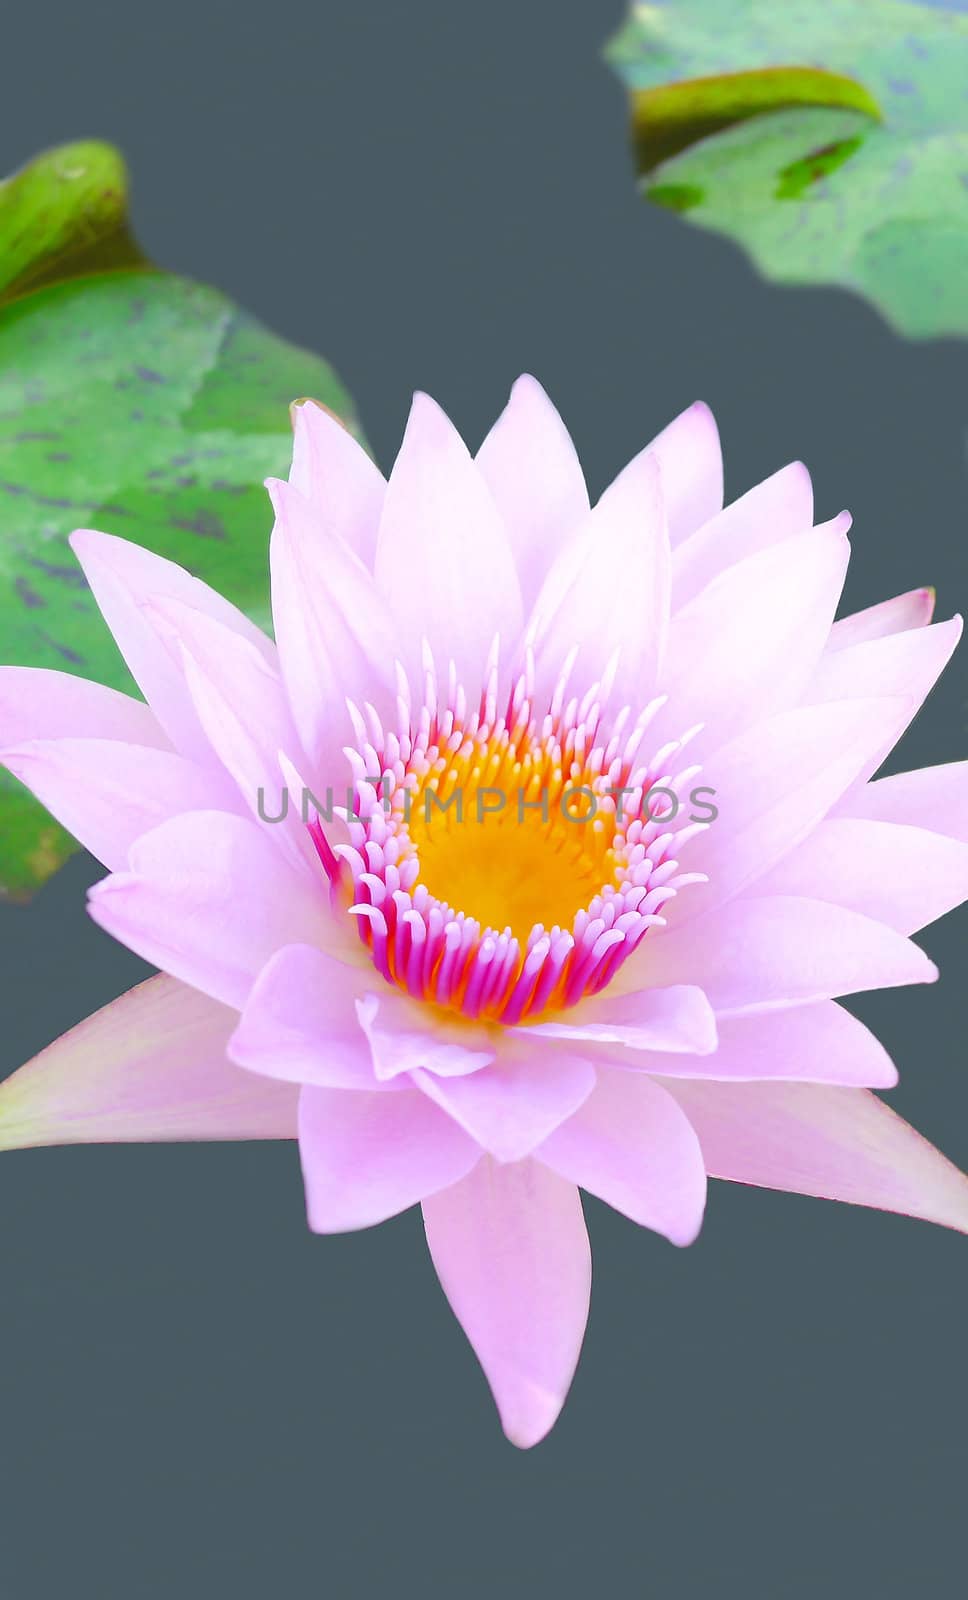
(532, 856)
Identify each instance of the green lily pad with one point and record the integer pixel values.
(738, 126)
(133, 401)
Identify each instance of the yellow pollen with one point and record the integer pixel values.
(503, 835)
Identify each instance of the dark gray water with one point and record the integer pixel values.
(199, 1398)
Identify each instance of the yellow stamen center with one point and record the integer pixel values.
(504, 836)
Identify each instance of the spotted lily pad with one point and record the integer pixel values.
(130, 400)
(830, 141)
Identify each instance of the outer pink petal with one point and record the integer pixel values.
(332, 470)
(530, 466)
(335, 631)
(775, 509)
(778, 950)
(300, 1022)
(820, 1043)
(512, 1105)
(443, 557)
(609, 590)
(775, 783)
(912, 610)
(904, 876)
(675, 1019)
(209, 898)
(123, 576)
(151, 1065)
(367, 1156)
(841, 1144)
(107, 793)
(932, 797)
(748, 643)
(36, 703)
(691, 466)
(511, 1251)
(899, 664)
(631, 1145)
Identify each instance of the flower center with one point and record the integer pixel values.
(499, 832)
(505, 865)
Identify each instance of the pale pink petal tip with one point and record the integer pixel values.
(825, 1140)
(149, 1066)
(691, 463)
(511, 1251)
(535, 479)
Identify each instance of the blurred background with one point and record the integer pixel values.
(199, 1397)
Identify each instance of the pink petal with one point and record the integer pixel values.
(820, 1043)
(404, 1036)
(366, 1157)
(241, 705)
(691, 469)
(300, 1022)
(933, 797)
(514, 1104)
(904, 876)
(775, 509)
(777, 950)
(631, 1145)
(511, 1251)
(609, 589)
(107, 793)
(151, 1065)
(209, 898)
(122, 577)
(529, 464)
(775, 783)
(912, 610)
(37, 703)
(335, 473)
(335, 631)
(748, 643)
(841, 1144)
(675, 1019)
(443, 558)
(899, 664)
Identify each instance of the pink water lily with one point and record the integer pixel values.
(531, 856)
